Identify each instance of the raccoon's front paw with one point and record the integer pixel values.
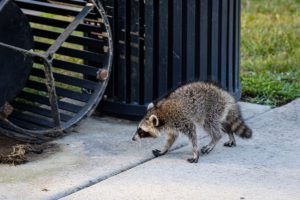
(192, 160)
(230, 144)
(206, 149)
(195, 158)
(156, 152)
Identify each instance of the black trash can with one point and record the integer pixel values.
(159, 44)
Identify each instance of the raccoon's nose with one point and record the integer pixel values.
(140, 131)
(133, 139)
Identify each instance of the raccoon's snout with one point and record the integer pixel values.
(138, 133)
(143, 134)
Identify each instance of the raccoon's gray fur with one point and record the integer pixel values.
(194, 103)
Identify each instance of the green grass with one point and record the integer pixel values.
(270, 51)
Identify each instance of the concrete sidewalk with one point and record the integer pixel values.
(100, 161)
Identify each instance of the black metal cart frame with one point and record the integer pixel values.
(36, 129)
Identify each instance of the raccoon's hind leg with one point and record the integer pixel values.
(231, 141)
(171, 138)
(227, 129)
(213, 129)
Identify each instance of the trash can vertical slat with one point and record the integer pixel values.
(214, 11)
(238, 47)
(134, 52)
(122, 83)
(236, 43)
(203, 38)
(234, 47)
(112, 13)
(128, 49)
(141, 50)
(177, 42)
(191, 46)
(163, 47)
(184, 40)
(230, 46)
(170, 43)
(149, 51)
(197, 40)
(223, 39)
(156, 55)
(115, 32)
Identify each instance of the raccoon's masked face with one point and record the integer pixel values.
(149, 126)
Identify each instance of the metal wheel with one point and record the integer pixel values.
(72, 40)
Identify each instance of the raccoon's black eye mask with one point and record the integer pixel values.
(143, 133)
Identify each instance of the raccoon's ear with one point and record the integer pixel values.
(151, 105)
(154, 120)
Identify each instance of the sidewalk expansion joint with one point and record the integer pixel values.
(103, 178)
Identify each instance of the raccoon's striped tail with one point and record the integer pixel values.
(237, 124)
(241, 129)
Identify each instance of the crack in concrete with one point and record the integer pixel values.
(100, 179)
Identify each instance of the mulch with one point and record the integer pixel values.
(15, 153)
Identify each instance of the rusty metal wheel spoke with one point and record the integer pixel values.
(50, 83)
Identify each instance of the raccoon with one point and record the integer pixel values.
(179, 111)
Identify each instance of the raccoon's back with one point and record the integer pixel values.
(203, 92)
(199, 98)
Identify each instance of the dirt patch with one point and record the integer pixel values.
(14, 152)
